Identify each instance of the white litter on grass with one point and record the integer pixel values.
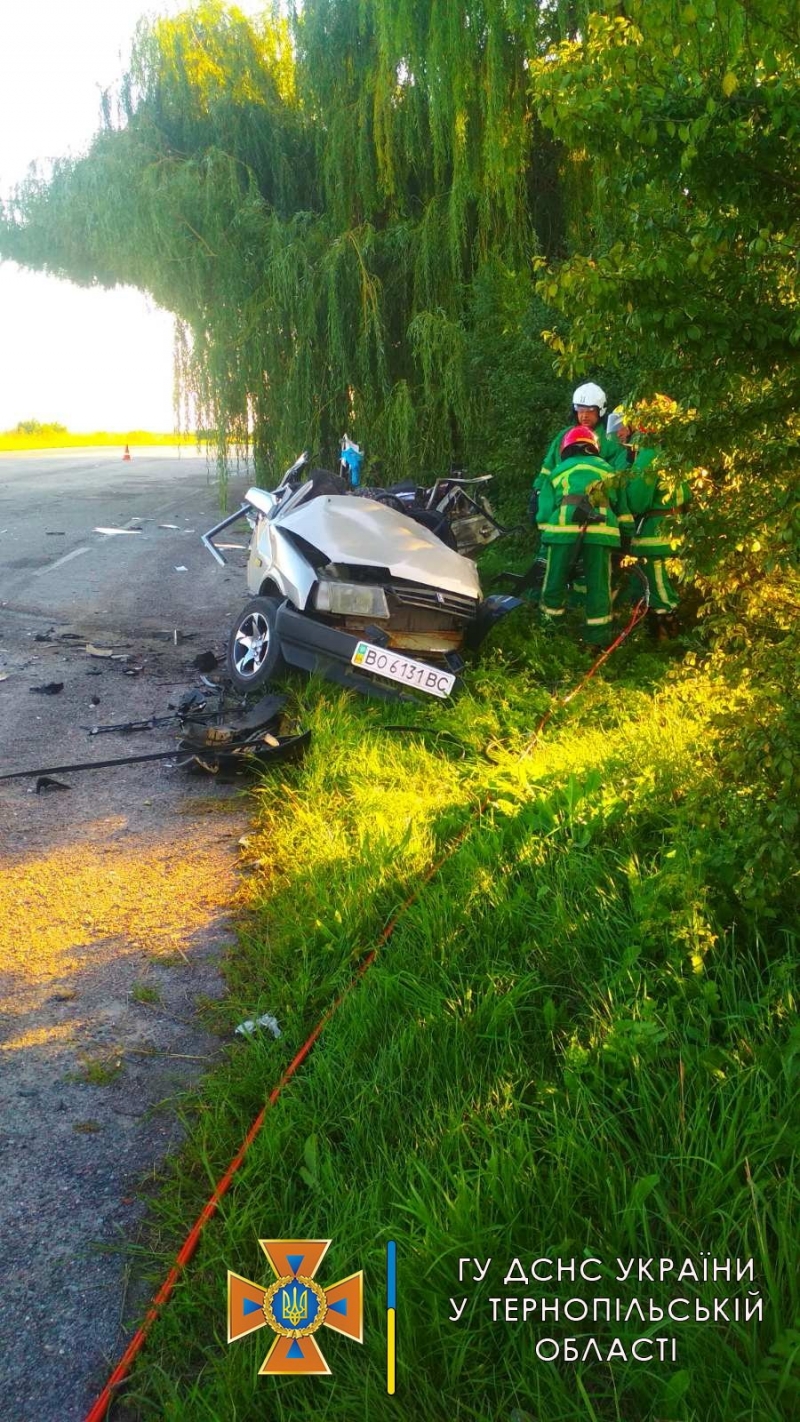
(181, 568)
(111, 531)
(168, 525)
(246, 1029)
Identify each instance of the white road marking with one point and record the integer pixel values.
(51, 567)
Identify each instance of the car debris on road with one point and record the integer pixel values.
(106, 652)
(46, 782)
(214, 737)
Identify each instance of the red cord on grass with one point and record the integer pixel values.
(638, 613)
(100, 1408)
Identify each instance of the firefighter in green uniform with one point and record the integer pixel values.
(588, 406)
(577, 516)
(651, 502)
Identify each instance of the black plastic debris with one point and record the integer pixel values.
(190, 703)
(205, 662)
(256, 749)
(50, 688)
(95, 701)
(152, 723)
(89, 765)
(264, 712)
(46, 782)
(249, 740)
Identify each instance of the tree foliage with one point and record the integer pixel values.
(35, 427)
(690, 118)
(316, 206)
(365, 216)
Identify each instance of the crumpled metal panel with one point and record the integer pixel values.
(365, 533)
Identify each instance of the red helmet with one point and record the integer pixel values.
(579, 434)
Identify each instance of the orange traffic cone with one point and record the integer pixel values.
(127, 453)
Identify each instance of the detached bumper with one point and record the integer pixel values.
(314, 646)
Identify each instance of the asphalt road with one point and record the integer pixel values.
(114, 896)
(53, 564)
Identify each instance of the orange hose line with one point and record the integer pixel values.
(100, 1407)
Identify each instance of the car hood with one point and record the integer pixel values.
(365, 533)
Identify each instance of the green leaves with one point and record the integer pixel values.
(729, 84)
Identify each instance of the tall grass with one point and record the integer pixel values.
(569, 1047)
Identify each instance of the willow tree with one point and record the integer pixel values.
(341, 210)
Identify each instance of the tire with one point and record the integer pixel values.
(256, 624)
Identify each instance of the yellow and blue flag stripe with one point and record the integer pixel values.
(391, 1316)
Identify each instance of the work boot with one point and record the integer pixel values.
(662, 625)
(596, 639)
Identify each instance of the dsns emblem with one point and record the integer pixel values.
(295, 1306)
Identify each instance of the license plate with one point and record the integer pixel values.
(404, 669)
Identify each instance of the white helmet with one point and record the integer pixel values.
(590, 394)
(614, 421)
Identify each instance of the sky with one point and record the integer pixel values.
(89, 358)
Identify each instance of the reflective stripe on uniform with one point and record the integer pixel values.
(661, 584)
(549, 611)
(582, 468)
(599, 621)
(572, 530)
(655, 541)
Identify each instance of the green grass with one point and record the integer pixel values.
(11, 442)
(580, 1040)
(99, 1070)
(146, 993)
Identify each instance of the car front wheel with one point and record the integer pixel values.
(254, 652)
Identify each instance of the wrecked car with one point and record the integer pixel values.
(346, 584)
